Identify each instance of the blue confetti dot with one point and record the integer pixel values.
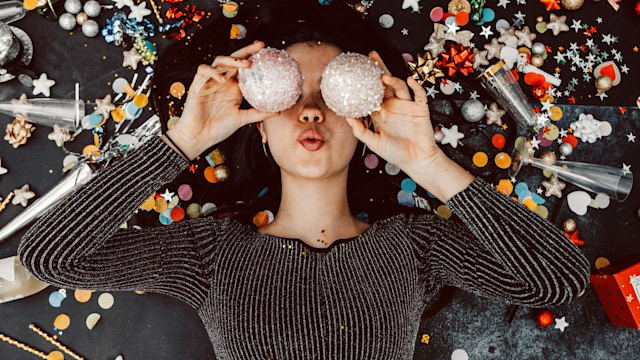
(405, 199)
(520, 188)
(431, 195)
(95, 119)
(324, 2)
(408, 185)
(488, 15)
(537, 198)
(165, 218)
(363, 216)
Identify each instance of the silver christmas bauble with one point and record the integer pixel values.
(92, 8)
(566, 149)
(72, 6)
(67, 21)
(538, 48)
(90, 28)
(473, 110)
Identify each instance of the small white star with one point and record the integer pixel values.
(451, 136)
(486, 31)
(629, 298)
(563, 133)
(599, 20)
(404, 31)
(413, 4)
(539, 191)
(473, 95)
(520, 16)
(561, 324)
(503, 3)
(631, 137)
(546, 105)
(609, 39)
(521, 2)
(602, 96)
(457, 87)
(626, 169)
(167, 195)
(576, 25)
(138, 11)
(535, 143)
(513, 179)
(432, 91)
(624, 69)
(42, 85)
(452, 28)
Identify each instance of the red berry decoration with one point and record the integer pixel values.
(544, 317)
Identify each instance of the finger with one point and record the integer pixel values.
(420, 95)
(255, 115)
(363, 134)
(398, 86)
(249, 50)
(230, 61)
(377, 58)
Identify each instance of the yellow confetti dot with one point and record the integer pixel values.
(506, 184)
(30, 4)
(91, 150)
(149, 204)
(260, 219)
(161, 205)
(177, 89)
(528, 202)
(141, 100)
(601, 263)
(480, 159)
(172, 122)
(503, 160)
(542, 211)
(82, 296)
(443, 211)
(55, 355)
(62, 322)
(556, 113)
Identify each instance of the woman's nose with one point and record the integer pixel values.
(311, 112)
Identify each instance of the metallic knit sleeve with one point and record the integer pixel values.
(78, 243)
(499, 249)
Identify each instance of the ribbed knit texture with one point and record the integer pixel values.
(265, 297)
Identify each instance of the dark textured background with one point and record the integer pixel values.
(152, 326)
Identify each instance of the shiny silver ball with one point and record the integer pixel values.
(566, 149)
(538, 48)
(90, 28)
(67, 21)
(72, 6)
(473, 110)
(92, 8)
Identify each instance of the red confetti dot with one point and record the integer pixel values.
(177, 214)
(571, 140)
(544, 317)
(498, 141)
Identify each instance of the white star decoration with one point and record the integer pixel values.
(2, 170)
(626, 169)
(131, 58)
(631, 137)
(42, 85)
(451, 136)
(122, 3)
(139, 11)
(629, 298)
(486, 31)
(21, 196)
(167, 195)
(561, 324)
(413, 4)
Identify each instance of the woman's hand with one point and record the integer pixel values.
(212, 110)
(403, 134)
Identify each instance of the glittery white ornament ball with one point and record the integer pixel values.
(72, 6)
(565, 149)
(90, 28)
(67, 21)
(273, 82)
(352, 85)
(92, 8)
(472, 110)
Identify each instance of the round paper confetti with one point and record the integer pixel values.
(503, 160)
(447, 87)
(480, 159)
(69, 160)
(260, 219)
(502, 24)
(172, 122)
(210, 174)
(556, 113)
(177, 89)
(405, 199)
(161, 205)
(601, 263)
(459, 354)
(208, 208)
(391, 169)
(436, 14)
(371, 161)
(542, 211)
(443, 211)
(498, 141)
(488, 15)
(92, 320)
(386, 21)
(602, 200)
(56, 297)
(82, 296)
(462, 18)
(105, 301)
(55, 355)
(185, 192)
(552, 134)
(165, 218)
(177, 214)
(174, 202)
(408, 185)
(149, 204)
(194, 211)
(62, 322)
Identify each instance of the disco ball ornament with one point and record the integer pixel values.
(273, 82)
(90, 28)
(352, 85)
(472, 110)
(72, 6)
(67, 21)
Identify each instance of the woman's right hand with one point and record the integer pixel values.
(210, 117)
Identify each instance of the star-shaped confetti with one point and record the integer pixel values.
(122, 3)
(561, 324)
(494, 114)
(167, 195)
(525, 37)
(506, 33)
(139, 11)
(551, 4)
(413, 4)
(435, 45)
(59, 135)
(626, 169)
(573, 236)
(486, 31)
(432, 91)
(131, 58)
(104, 106)
(21, 196)
(503, 3)
(553, 187)
(451, 136)
(557, 24)
(493, 49)
(631, 137)
(42, 85)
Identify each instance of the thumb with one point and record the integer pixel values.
(361, 133)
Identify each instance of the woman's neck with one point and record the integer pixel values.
(314, 211)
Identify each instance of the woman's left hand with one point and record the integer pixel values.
(403, 133)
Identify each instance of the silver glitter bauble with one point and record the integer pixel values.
(72, 6)
(67, 21)
(352, 85)
(9, 45)
(472, 110)
(273, 82)
(565, 149)
(538, 48)
(90, 28)
(92, 8)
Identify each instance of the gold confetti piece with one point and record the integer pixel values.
(62, 322)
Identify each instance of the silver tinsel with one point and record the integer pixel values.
(352, 85)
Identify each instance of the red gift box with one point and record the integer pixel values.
(618, 287)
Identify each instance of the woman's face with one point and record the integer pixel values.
(309, 140)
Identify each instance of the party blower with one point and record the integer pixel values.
(499, 81)
(66, 113)
(614, 182)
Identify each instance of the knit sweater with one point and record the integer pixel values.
(266, 297)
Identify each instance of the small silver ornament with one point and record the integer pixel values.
(473, 110)
(538, 48)
(92, 8)
(72, 6)
(90, 28)
(67, 21)
(565, 149)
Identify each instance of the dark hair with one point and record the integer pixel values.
(279, 23)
